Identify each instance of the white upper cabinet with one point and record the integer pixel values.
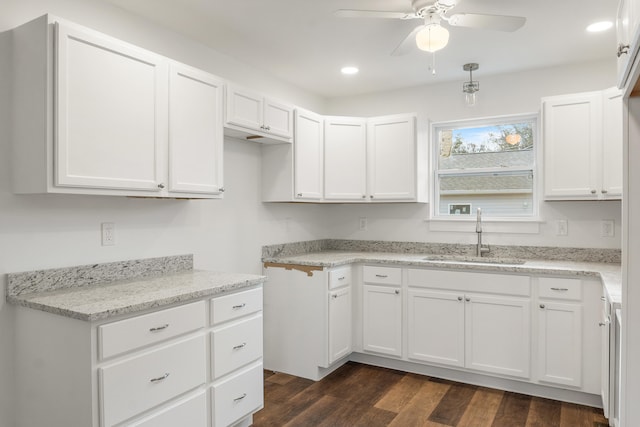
(345, 158)
(627, 20)
(308, 152)
(612, 143)
(252, 116)
(195, 135)
(582, 146)
(391, 144)
(109, 109)
(111, 118)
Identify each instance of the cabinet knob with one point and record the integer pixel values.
(397, 291)
(161, 186)
(262, 127)
(459, 298)
(467, 299)
(623, 49)
(364, 196)
(605, 323)
(221, 189)
(334, 296)
(299, 195)
(593, 191)
(541, 305)
(604, 191)
(267, 128)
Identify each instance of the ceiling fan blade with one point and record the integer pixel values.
(487, 22)
(350, 13)
(408, 43)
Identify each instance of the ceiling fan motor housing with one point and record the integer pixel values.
(423, 7)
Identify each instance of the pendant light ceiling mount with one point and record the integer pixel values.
(471, 87)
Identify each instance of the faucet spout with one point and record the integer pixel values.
(480, 248)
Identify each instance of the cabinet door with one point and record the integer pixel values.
(612, 124)
(498, 335)
(195, 131)
(382, 326)
(345, 162)
(436, 327)
(278, 118)
(244, 108)
(339, 323)
(110, 113)
(560, 343)
(308, 150)
(391, 146)
(572, 129)
(623, 36)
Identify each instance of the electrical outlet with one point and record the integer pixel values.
(607, 228)
(362, 223)
(108, 233)
(562, 227)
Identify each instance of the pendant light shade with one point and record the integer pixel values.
(432, 37)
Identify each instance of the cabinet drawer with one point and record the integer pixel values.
(557, 288)
(118, 337)
(236, 305)
(504, 284)
(339, 277)
(236, 344)
(237, 396)
(191, 412)
(139, 383)
(382, 275)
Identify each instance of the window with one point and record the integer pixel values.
(488, 164)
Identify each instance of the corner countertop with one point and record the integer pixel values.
(98, 302)
(609, 273)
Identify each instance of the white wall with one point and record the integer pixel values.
(45, 231)
(499, 95)
(40, 231)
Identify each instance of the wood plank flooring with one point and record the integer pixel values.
(363, 395)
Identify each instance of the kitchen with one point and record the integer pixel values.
(51, 231)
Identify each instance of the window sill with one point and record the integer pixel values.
(489, 225)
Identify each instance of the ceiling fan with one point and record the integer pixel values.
(431, 36)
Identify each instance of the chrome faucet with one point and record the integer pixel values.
(480, 248)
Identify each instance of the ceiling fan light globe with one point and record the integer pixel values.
(432, 38)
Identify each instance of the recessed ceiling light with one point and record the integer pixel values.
(349, 70)
(596, 27)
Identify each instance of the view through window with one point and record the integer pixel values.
(488, 164)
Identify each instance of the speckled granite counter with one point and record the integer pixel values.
(90, 293)
(609, 272)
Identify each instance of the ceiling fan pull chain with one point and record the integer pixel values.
(433, 64)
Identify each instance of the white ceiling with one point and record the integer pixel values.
(302, 42)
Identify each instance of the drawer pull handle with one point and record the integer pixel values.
(334, 296)
(560, 289)
(238, 347)
(341, 278)
(155, 380)
(236, 307)
(382, 276)
(237, 399)
(159, 328)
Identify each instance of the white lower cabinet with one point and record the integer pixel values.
(483, 332)
(197, 364)
(498, 334)
(339, 323)
(307, 319)
(382, 325)
(136, 384)
(237, 396)
(431, 339)
(190, 412)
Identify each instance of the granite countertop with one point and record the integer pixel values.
(100, 291)
(609, 273)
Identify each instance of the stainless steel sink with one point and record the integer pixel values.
(473, 259)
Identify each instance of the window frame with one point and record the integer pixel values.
(435, 174)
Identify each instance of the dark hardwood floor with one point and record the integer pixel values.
(362, 395)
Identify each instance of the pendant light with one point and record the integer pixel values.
(471, 87)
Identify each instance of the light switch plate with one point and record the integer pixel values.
(362, 223)
(108, 230)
